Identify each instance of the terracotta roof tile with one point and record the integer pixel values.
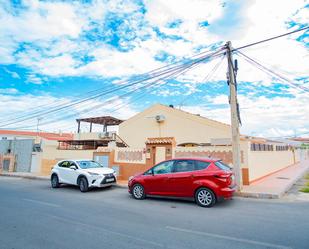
(46, 135)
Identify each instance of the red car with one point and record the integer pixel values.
(205, 180)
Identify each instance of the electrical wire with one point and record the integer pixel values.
(173, 73)
(271, 72)
(208, 77)
(269, 39)
(147, 74)
(197, 60)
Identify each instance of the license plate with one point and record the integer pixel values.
(110, 180)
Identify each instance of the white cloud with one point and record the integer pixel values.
(48, 39)
(13, 108)
(12, 74)
(8, 91)
(110, 62)
(261, 116)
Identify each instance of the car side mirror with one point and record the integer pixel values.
(73, 167)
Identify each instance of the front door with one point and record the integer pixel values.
(160, 154)
(157, 179)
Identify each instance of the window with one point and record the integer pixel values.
(64, 164)
(163, 168)
(184, 166)
(199, 165)
(89, 164)
(222, 165)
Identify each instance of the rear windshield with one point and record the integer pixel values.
(222, 165)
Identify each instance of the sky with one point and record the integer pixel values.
(56, 52)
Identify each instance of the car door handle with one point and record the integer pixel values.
(177, 177)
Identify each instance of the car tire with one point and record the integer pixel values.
(83, 184)
(54, 181)
(205, 197)
(138, 192)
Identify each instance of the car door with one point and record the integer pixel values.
(182, 177)
(63, 171)
(157, 179)
(72, 174)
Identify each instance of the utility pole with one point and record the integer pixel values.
(234, 116)
(37, 126)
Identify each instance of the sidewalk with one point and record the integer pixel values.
(271, 187)
(276, 185)
(28, 175)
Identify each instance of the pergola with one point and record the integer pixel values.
(105, 121)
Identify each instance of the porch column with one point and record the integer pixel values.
(78, 126)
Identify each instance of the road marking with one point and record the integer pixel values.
(218, 236)
(42, 203)
(68, 220)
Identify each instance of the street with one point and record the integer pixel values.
(35, 216)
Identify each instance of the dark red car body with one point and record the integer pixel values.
(185, 184)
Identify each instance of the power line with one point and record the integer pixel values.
(172, 69)
(146, 75)
(271, 72)
(208, 77)
(269, 39)
(172, 73)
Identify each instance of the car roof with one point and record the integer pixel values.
(207, 159)
(75, 160)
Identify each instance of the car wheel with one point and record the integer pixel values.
(83, 184)
(55, 181)
(204, 197)
(138, 192)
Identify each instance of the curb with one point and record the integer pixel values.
(45, 178)
(32, 177)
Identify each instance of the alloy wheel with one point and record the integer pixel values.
(138, 191)
(205, 197)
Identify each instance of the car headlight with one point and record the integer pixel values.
(131, 177)
(93, 174)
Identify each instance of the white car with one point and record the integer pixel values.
(83, 173)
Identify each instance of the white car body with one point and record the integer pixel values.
(96, 177)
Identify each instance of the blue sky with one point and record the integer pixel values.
(54, 52)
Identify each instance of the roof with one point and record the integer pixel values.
(45, 135)
(300, 139)
(196, 117)
(104, 120)
(160, 140)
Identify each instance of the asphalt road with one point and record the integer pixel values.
(32, 215)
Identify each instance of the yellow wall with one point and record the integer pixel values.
(243, 148)
(262, 163)
(50, 151)
(87, 135)
(185, 127)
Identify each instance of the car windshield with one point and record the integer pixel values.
(89, 164)
(222, 165)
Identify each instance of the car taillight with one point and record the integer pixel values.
(223, 177)
(232, 179)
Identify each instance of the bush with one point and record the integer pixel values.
(305, 189)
